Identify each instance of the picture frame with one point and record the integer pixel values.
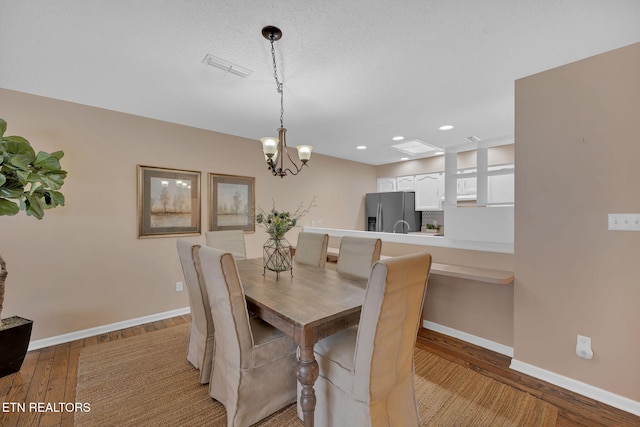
(231, 202)
(169, 202)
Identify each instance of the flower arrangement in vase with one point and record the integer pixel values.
(277, 249)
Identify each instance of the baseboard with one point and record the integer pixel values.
(479, 341)
(579, 387)
(72, 336)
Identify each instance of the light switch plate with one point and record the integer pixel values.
(624, 222)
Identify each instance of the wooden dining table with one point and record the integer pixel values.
(308, 305)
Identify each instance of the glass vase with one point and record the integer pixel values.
(277, 255)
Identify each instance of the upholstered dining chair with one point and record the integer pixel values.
(227, 240)
(201, 335)
(366, 372)
(357, 255)
(254, 372)
(311, 249)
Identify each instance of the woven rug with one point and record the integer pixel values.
(147, 381)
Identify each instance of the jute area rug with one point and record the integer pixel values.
(147, 381)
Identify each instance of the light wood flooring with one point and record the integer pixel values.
(49, 375)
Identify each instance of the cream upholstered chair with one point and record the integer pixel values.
(357, 255)
(366, 372)
(311, 249)
(201, 336)
(227, 240)
(254, 372)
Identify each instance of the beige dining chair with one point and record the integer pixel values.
(366, 372)
(201, 346)
(227, 240)
(357, 255)
(254, 373)
(311, 249)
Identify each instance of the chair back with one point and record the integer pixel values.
(229, 309)
(391, 314)
(228, 241)
(357, 255)
(201, 339)
(312, 249)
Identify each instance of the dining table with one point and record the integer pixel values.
(309, 304)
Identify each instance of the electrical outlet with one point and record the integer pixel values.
(179, 286)
(584, 341)
(583, 347)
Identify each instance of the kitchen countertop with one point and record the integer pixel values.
(418, 238)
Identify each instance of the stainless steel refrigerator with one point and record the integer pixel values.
(397, 209)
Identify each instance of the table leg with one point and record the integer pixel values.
(307, 375)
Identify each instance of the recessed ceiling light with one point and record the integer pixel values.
(446, 127)
(361, 147)
(398, 138)
(404, 158)
(438, 153)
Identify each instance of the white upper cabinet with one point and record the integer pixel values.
(501, 185)
(386, 184)
(405, 183)
(429, 190)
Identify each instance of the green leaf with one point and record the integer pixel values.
(46, 161)
(3, 127)
(3, 179)
(7, 207)
(19, 151)
(11, 189)
(24, 176)
(53, 180)
(34, 206)
(53, 199)
(58, 154)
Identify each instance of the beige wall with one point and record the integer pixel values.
(577, 151)
(83, 266)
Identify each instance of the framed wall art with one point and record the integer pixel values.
(168, 202)
(231, 202)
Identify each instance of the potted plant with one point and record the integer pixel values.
(432, 228)
(29, 182)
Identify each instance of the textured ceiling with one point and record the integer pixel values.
(355, 72)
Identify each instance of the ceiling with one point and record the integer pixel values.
(355, 72)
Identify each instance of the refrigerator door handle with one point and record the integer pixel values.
(379, 218)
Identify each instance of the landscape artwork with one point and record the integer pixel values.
(168, 202)
(231, 202)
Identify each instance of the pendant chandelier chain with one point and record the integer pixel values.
(279, 85)
(275, 149)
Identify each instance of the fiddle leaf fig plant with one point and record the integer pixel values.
(29, 182)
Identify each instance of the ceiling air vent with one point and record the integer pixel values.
(227, 66)
(472, 139)
(415, 146)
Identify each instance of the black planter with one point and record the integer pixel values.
(15, 333)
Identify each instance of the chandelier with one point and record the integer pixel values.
(274, 148)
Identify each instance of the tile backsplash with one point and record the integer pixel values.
(429, 216)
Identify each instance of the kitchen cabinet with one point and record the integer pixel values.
(386, 184)
(501, 189)
(429, 190)
(467, 183)
(405, 183)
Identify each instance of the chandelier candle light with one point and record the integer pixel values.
(275, 148)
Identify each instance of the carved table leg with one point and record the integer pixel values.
(307, 375)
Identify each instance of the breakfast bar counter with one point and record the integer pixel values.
(480, 274)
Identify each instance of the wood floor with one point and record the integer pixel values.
(49, 376)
